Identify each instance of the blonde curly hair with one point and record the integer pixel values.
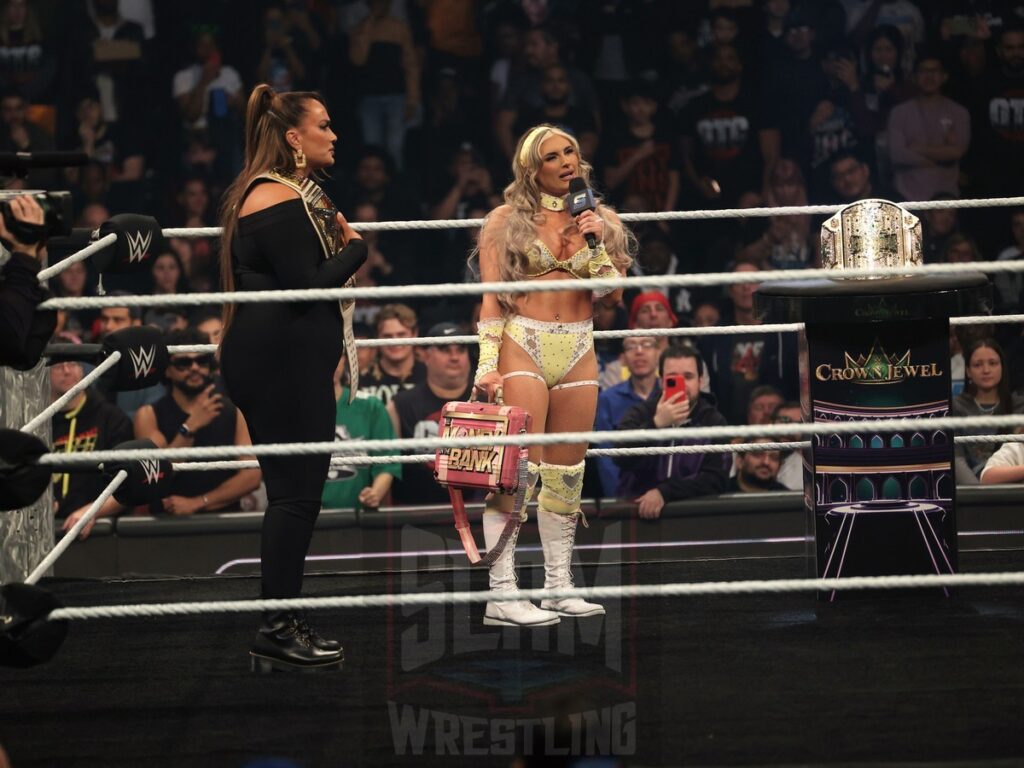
(516, 236)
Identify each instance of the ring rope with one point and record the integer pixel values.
(986, 319)
(696, 215)
(428, 290)
(726, 432)
(420, 458)
(709, 330)
(85, 382)
(681, 589)
(654, 450)
(94, 508)
(82, 255)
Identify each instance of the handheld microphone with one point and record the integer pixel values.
(580, 199)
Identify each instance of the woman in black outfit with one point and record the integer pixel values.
(278, 360)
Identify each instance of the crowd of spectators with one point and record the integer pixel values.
(677, 105)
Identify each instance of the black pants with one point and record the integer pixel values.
(282, 383)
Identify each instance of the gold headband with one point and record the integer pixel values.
(528, 142)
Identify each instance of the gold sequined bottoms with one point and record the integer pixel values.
(554, 347)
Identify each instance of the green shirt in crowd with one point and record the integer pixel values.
(363, 419)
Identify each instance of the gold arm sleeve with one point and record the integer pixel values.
(601, 266)
(489, 331)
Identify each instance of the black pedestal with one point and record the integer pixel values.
(878, 503)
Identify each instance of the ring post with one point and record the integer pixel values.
(26, 535)
(877, 348)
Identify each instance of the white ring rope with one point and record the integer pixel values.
(708, 330)
(683, 589)
(653, 450)
(429, 290)
(420, 458)
(979, 439)
(65, 542)
(707, 434)
(986, 320)
(696, 215)
(436, 224)
(85, 382)
(82, 255)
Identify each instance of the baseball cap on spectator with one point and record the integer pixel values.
(444, 329)
(67, 337)
(645, 298)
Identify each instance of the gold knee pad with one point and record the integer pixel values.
(561, 487)
(497, 502)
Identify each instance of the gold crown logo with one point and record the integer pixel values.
(877, 365)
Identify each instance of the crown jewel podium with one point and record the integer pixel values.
(873, 349)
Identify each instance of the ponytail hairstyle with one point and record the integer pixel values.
(268, 116)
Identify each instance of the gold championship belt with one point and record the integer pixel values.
(869, 234)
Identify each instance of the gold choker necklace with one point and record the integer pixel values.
(551, 202)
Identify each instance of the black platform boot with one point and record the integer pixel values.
(283, 644)
(316, 638)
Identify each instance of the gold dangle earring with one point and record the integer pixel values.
(300, 159)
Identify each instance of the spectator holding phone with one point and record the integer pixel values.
(195, 414)
(192, 414)
(207, 84)
(653, 481)
(211, 101)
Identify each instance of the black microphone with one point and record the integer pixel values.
(20, 163)
(580, 199)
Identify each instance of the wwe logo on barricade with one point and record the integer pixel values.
(151, 470)
(138, 245)
(142, 360)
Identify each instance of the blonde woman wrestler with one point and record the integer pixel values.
(539, 348)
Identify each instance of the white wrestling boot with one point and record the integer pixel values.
(557, 537)
(513, 613)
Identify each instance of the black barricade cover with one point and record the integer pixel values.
(22, 481)
(139, 238)
(27, 637)
(148, 479)
(143, 361)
